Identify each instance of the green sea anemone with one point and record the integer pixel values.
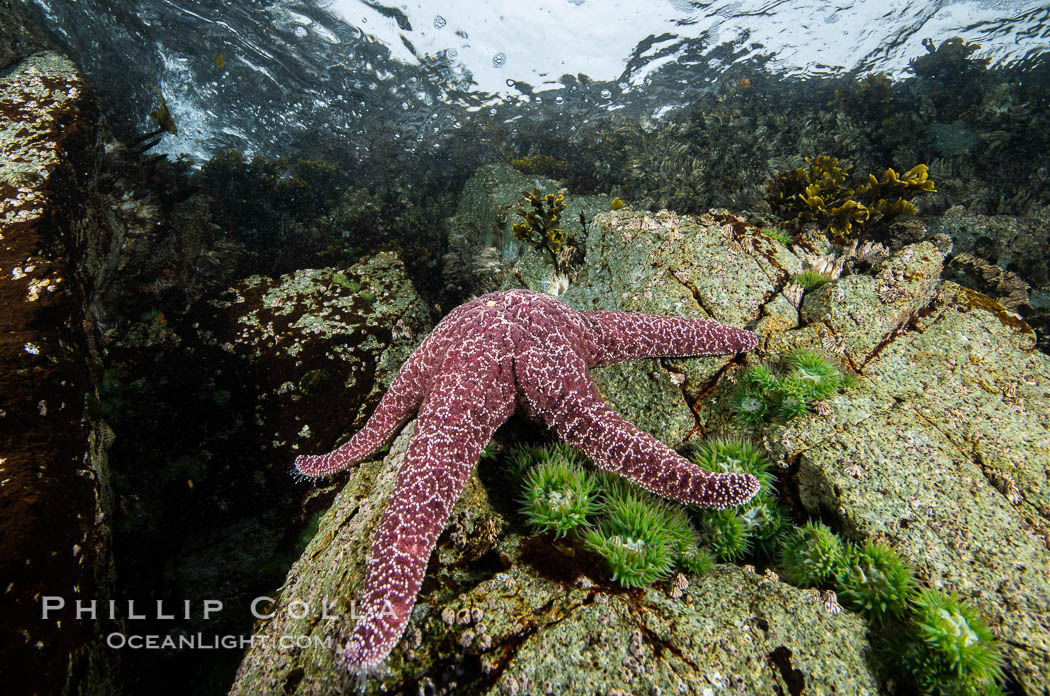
(759, 377)
(734, 456)
(792, 398)
(811, 555)
(637, 538)
(698, 561)
(766, 521)
(804, 377)
(750, 406)
(875, 580)
(818, 374)
(559, 495)
(955, 651)
(725, 532)
(730, 533)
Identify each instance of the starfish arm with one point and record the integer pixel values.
(564, 396)
(394, 409)
(455, 422)
(620, 336)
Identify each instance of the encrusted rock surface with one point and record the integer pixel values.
(940, 450)
(492, 611)
(319, 342)
(943, 451)
(491, 607)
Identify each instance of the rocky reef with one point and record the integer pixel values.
(168, 349)
(939, 451)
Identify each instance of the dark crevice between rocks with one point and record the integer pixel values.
(484, 681)
(788, 487)
(792, 499)
(908, 325)
(660, 645)
(696, 398)
(903, 328)
(780, 657)
(291, 681)
(564, 561)
(699, 297)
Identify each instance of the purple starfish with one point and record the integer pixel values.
(506, 351)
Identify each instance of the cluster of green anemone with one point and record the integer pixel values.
(824, 194)
(764, 393)
(940, 639)
(640, 537)
(754, 527)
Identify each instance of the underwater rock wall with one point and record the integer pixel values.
(55, 499)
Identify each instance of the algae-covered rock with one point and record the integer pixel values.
(939, 450)
(861, 311)
(491, 616)
(731, 629)
(320, 341)
(484, 221)
(943, 451)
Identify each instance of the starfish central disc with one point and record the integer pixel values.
(507, 351)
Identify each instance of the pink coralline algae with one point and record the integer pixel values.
(502, 352)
